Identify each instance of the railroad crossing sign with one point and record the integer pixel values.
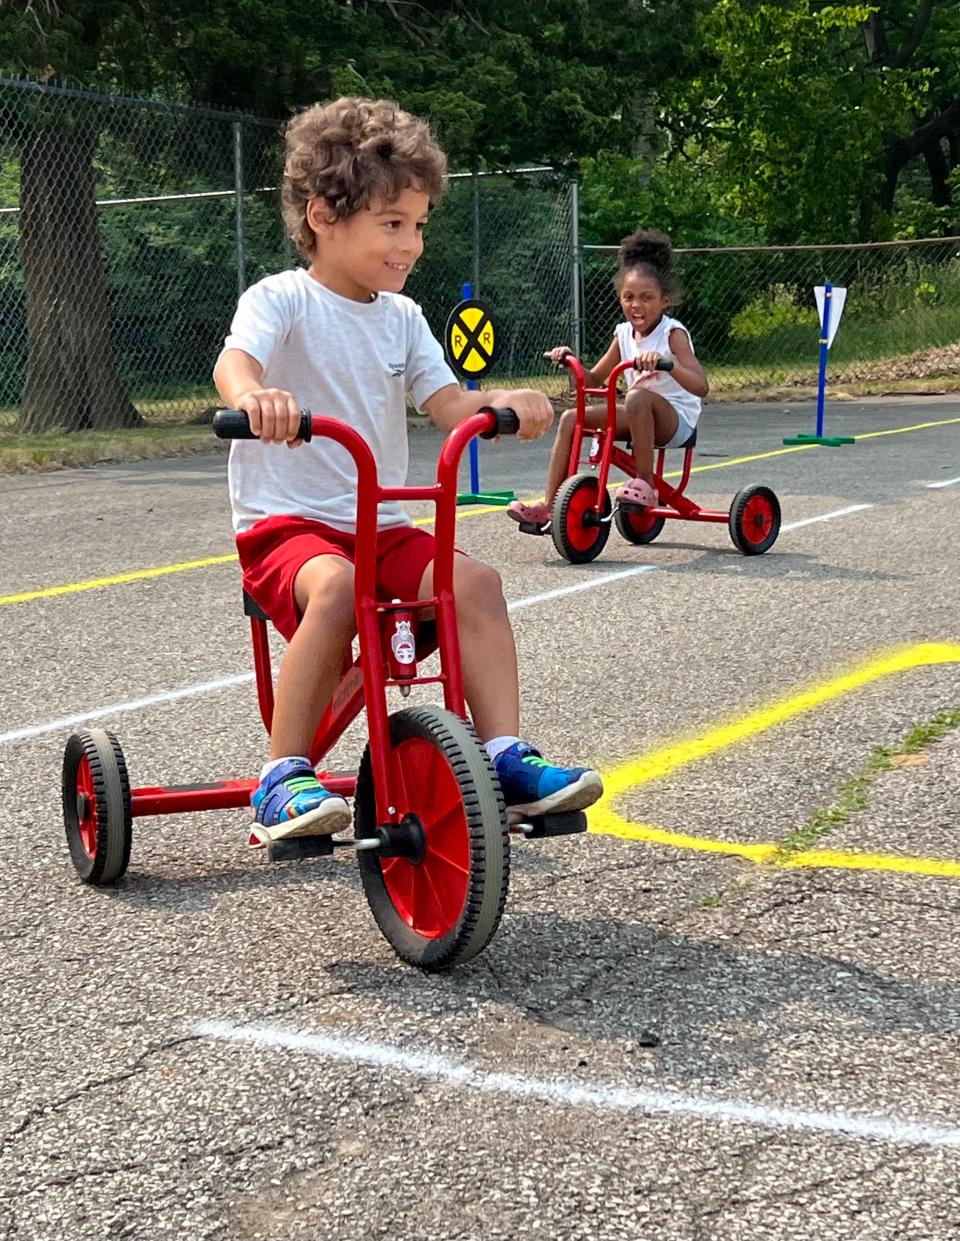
(471, 339)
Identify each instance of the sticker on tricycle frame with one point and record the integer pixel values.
(470, 340)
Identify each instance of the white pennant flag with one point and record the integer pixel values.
(837, 297)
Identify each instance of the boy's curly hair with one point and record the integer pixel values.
(651, 252)
(352, 152)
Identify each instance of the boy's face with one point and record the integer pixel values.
(372, 251)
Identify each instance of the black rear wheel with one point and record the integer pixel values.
(638, 527)
(441, 903)
(96, 806)
(754, 520)
(577, 534)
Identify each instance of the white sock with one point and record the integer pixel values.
(275, 762)
(496, 746)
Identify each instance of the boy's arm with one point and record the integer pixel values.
(450, 405)
(274, 414)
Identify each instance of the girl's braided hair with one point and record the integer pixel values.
(649, 252)
(352, 152)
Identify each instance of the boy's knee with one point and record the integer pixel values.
(329, 589)
(567, 419)
(477, 587)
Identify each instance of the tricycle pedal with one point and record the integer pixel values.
(531, 527)
(629, 506)
(296, 848)
(567, 823)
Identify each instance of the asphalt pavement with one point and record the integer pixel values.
(731, 1010)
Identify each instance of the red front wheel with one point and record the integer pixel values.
(439, 902)
(754, 520)
(579, 532)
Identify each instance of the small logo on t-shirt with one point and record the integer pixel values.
(396, 368)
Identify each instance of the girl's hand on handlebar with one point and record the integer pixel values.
(557, 355)
(274, 415)
(648, 360)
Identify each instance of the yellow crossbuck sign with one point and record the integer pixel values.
(471, 339)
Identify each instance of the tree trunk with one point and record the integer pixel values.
(71, 377)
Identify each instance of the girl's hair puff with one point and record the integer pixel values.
(649, 252)
(352, 152)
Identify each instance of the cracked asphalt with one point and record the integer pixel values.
(689, 973)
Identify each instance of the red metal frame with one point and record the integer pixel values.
(605, 453)
(365, 679)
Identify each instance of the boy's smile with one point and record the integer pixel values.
(372, 251)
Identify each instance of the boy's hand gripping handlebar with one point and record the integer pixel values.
(234, 424)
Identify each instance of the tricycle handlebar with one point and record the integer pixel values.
(234, 424)
(664, 364)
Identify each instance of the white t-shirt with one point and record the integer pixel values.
(354, 361)
(683, 402)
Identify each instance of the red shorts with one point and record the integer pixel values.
(275, 549)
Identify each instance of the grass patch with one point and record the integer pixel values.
(57, 450)
(854, 795)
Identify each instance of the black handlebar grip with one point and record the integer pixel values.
(665, 364)
(234, 424)
(507, 422)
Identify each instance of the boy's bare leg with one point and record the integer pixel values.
(651, 420)
(313, 662)
(487, 651)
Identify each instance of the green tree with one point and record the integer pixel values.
(249, 52)
(814, 110)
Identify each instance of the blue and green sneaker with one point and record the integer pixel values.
(532, 786)
(291, 801)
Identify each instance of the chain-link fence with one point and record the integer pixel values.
(127, 228)
(753, 320)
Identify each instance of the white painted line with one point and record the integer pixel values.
(207, 687)
(837, 512)
(948, 482)
(117, 708)
(600, 580)
(577, 1094)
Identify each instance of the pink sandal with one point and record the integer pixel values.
(529, 514)
(638, 491)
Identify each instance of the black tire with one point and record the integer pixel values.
(754, 520)
(486, 846)
(575, 541)
(633, 528)
(101, 811)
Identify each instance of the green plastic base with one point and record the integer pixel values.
(830, 441)
(486, 497)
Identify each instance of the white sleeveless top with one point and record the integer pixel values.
(662, 382)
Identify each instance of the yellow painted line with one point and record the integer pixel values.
(137, 575)
(919, 426)
(605, 820)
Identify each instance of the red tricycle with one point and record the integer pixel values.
(430, 828)
(583, 510)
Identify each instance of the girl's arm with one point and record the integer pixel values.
(687, 371)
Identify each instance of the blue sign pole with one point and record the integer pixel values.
(824, 350)
(833, 441)
(466, 294)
